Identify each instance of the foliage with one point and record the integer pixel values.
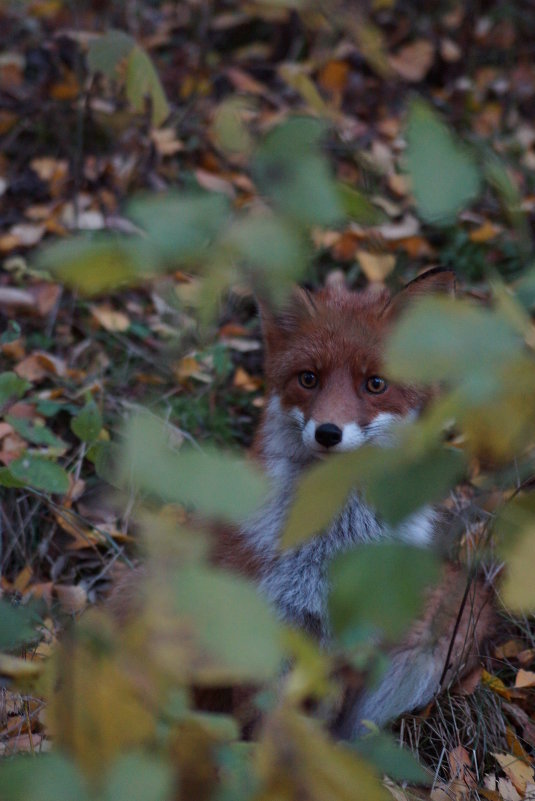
(252, 199)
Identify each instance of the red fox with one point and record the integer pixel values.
(326, 393)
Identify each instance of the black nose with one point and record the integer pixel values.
(328, 435)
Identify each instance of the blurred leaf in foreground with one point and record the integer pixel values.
(179, 226)
(481, 355)
(384, 752)
(271, 247)
(233, 625)
(216, 484)
(95, 264)
(444, 175)
(515, 529)
(396, 481)
(291, 171)
(42, 777)
(97, 711)
(139, 777)
(380, 585)
(297, 760)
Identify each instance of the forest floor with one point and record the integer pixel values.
(75, 146)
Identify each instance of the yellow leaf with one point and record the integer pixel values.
(297, 760)
(295, 76)
(485, 232)
(376, 267)
(496, 685)
(96, 711)
(16, 668)
(518, 590)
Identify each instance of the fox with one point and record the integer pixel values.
(326, 393)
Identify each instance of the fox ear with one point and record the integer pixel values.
(279, 322)
(435, 281)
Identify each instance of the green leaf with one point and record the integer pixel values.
(439, 339)
(395, 481)
(16, 625)
(142, 81)
(357, 206)
(268, 244)
(38, 434)
(239, 781)
(106, 53)
(139, 777)
(444, 175)
(88, 423)
(291, 171)
(179, 226)
(380, 585)
(232, 623)
(12, 387)
(402, 482)
(7, 480)
(42, 777)
(230, 131)
(386, 755)
(93, 265)
(40, 473)
(217, 484)
(515, 532)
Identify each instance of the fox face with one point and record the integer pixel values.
(324, 368)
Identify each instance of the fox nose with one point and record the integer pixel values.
(328, 435)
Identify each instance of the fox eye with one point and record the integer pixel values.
(375, 384)
(308, 379)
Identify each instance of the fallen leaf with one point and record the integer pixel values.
(242, 380)
(45, 296)
(22, 580)
(5, 429)
(14, 350)
(413, 61)
(450, 50)
(72, 598)
(110, 319)
(16, 668)
(408, 226)
(15, 298)
(516, 770)
(509, 649)
(333, 76)
(507, 790)
(525, 678)
(31, 368)
(214, 183)
(461, 766)
(376, 267)
(496, 685)
(485, 232)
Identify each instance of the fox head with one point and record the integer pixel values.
(327, 390)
